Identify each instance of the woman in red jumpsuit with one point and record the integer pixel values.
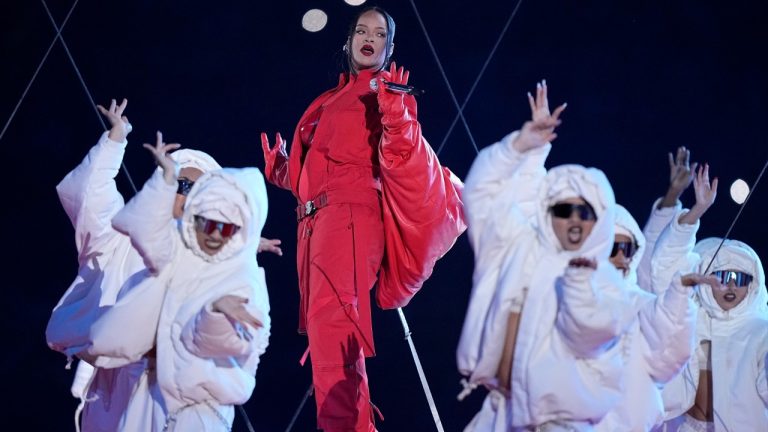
(373, 204)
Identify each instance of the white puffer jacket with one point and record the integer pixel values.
(201, 356)
(567, 364)
(656, 345)
(739, 342)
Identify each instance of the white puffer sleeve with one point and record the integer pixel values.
(500, 195)
(500, 176)
(90, 197)
(659, 219)
(673, 253)
(669, 326)
(762, 377)
(148, 219)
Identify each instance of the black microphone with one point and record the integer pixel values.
(397, 88)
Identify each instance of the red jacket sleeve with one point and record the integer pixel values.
(423, 211)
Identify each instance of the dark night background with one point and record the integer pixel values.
(640, 78)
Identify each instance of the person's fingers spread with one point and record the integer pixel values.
(102, 110)
(112, 105)
(531, 103)
(406, 76)
(159, 138)
(559, 110)
(264, 142)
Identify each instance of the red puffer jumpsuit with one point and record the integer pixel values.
(373, 201)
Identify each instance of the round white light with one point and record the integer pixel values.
(314, 20)
(354, 2)
(739, 191)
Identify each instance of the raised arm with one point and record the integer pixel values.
(674, 248)
(510, 171)
(88, 193)
(669, 326)
(148, 217)
(681, 173)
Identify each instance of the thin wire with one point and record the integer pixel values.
(445, 77)
(34, 75)
(741, 209)
(247, 420)
(85, 87)
(420, 370)
(479, 76)
(298, 410)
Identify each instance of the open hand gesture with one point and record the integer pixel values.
(681, 173)
(160, 152)
(121, 127)
(706, 192)
(541, 129)
(270, 245)
(233, 307)
(540, 104)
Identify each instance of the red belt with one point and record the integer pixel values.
(323, 199)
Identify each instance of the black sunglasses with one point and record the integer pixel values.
(565, 210)
(185, 185)
(629, 248)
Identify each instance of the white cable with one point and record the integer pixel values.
(422, 377)
(479, 75)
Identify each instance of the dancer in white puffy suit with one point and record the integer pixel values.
(109, 268)
(724, 386)
(658, 343)
(547, 307)
(205, 311)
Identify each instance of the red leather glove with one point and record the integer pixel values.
(275, 161)
(391, 103)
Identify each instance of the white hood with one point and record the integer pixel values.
(733, 255)
(228, 195)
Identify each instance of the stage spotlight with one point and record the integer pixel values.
(739, 191)
(354, 2)
(314, 20)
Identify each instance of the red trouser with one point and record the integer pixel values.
(340, 252)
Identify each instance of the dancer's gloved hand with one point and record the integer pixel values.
(273, 155)
(392, 104)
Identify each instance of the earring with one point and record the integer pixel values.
(344, 48)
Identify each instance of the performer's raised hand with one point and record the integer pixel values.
(120, 126)
(391, 102)
(160, 152)
(681, 173)
(541, 129)
(271, 154)
(706, 192)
